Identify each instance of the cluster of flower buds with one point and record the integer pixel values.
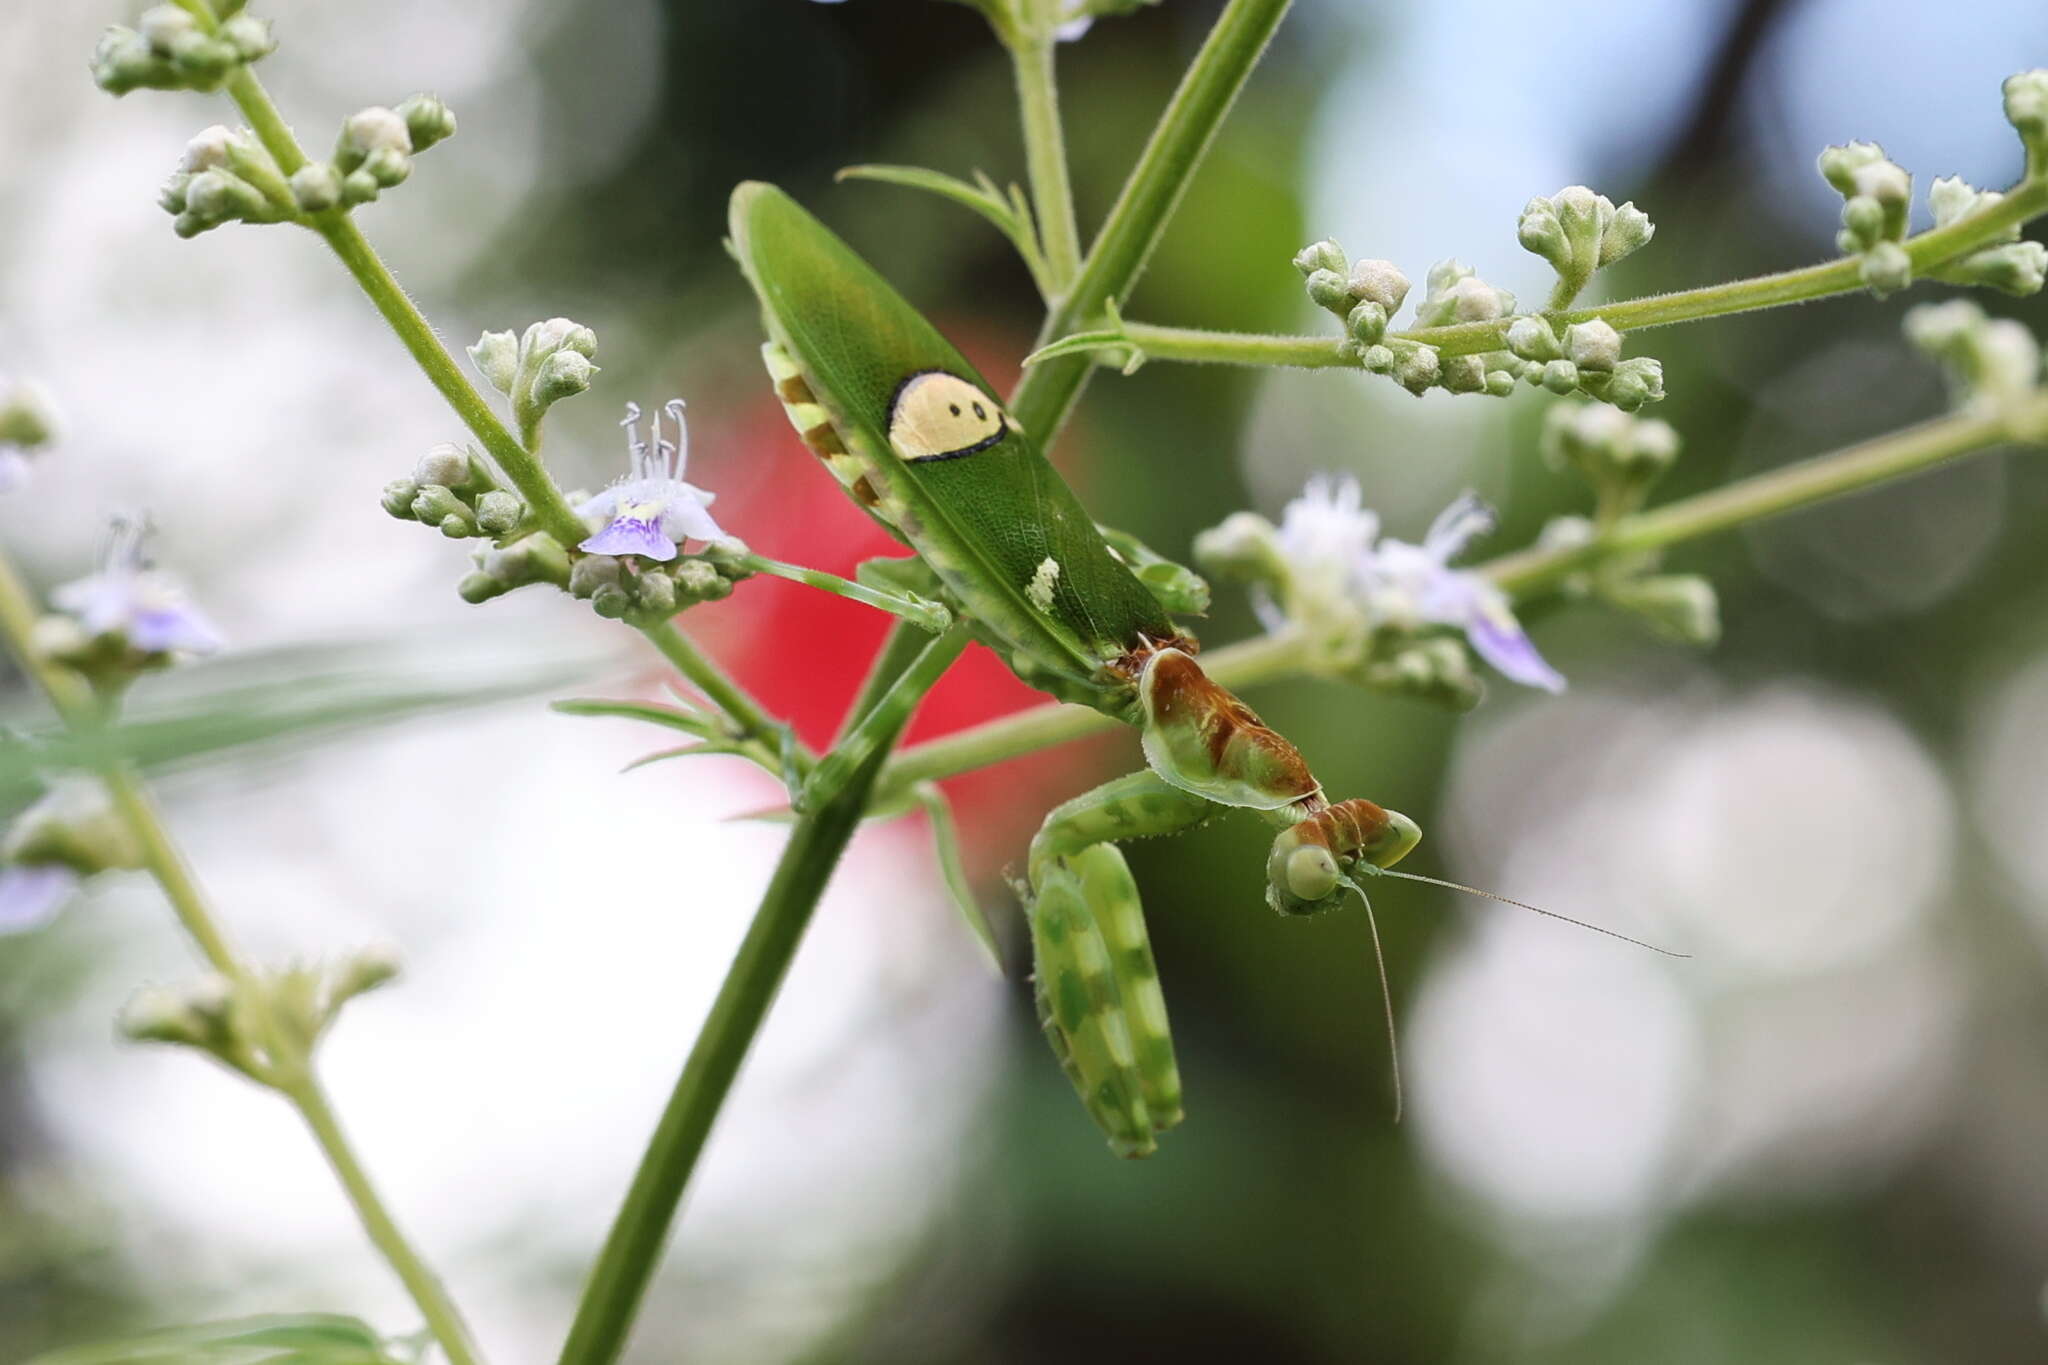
(264, 1025)
(127, 619)
(170, 49)
(1619, 455)
(373, 153)
(454, 491)
(628, 587)
(1877, 195)
(1586, 359)
(53, 847)
(28, 422)
(1578, 231)
(550, 361)
(1622, 457)
(1991, 362)
(226, 176)
(2009, 265)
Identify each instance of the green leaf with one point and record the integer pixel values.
(671, 717)
(223, 710)
(953, 871)
(273, 1339)
(1080, 343)
(1011, 216)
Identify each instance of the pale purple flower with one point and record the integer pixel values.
(31, 894)
(1417, 581)
(129, 598)
(651, 510)
(1326, 537)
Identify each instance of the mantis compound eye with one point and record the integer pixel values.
(1399, 839)
(1311, 872)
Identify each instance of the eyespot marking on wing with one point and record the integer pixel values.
(940, 416)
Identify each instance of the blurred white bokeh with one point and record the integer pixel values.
(1799, 844)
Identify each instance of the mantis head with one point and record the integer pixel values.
(1309, 867)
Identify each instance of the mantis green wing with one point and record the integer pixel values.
(918, 436)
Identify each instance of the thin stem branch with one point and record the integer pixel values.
(931, 616)
(1156, 184)
(632, 1250)
(443, 1319)
(1845, 471)
(520, 465)
(1928, 251)
(1045, 156)
(83, 714)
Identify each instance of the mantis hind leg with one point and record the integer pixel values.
(1097, 987)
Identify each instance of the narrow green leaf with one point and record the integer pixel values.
(953, 871)
(1010, 217)
(672, 717)
(274, 1339)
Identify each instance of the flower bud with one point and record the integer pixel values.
(398, 496)
(2017, 268)
(1629, 229)
(729, 556)
(1592, 345)
(375, 129)
(1886, 268)
(72, 826)
(1435, 669)
(1379, 282)
(1416, 368)
(359, 187)
(445, 464)
(592, 572)
(612, 601)
(496, 357)
(1540, 233)
(166, 27)
(1245, 547)
(2026, 109)
(248, 36)
(1463, 374)
(435, 504)
(698, 581)
(364, 970)
(316, 186)
(1532, 338)
(28, 418)
(1367, 323)
(1560, 376)
(1840, 164)
(499, 512)
(656, 592)
(1377, 359)
(208, 149)
(562, 375)
(1682, 607)
(1635, 383)
(427, 121)
(1327, 289)
(387, 166)
(1323, 255)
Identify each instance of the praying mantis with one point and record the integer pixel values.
(920, 440)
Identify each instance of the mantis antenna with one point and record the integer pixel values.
(1521, 905)
(1386, 996)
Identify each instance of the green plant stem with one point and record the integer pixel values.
(1045, 156)
(82, 712)
(1928, 250)
(930, 616)
(1783, 490)
(618, 1282)
(1523, 575)
(1113, 264)
(443, 1319)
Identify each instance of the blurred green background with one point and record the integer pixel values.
(1818, 1140)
